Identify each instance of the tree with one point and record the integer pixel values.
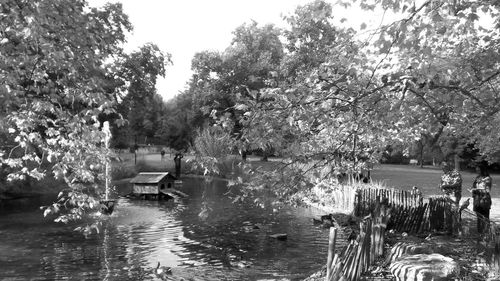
(310, 30)
(338, 99)
(212, 146)
(142, 107)
(179, 123)
(220, 80)
(324, 112)
(54, 84)
(443, 53)
(341, 101)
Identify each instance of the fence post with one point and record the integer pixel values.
(331, 251)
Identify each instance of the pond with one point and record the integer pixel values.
(231, 243)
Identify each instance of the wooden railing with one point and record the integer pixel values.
(401, 211)
(360, 253)
(409, 212)
(384, 209)
(366, 199)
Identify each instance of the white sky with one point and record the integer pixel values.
(184, 27)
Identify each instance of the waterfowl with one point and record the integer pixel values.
(316, 221)
(162, 270)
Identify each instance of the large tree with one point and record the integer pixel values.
(245, 67)
(56, 68)
(444, 57)
(328, 112)
(141, 105)
(338, 101)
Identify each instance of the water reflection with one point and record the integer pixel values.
(231, 243)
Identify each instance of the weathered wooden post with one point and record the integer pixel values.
(331, 252)
(357, 202)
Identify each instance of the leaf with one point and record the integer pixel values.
(26, 32)
(241, 107)
(472, 17)
(363, 26)
(47, 212)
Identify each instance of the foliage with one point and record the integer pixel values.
(336, 99)
(443, 53)
(245, 67)
(339, 197)
(212, 147)
(141, 106)
(327, 99)
(179, 122)
(55, 82)
(330, 114)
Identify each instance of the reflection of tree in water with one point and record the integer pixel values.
(205, 205)
(124, 248)
(70, 255)
(102, 256)
(226, 234)
(105, 249)
(141, 233)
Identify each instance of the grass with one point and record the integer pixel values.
(396, 176)
(427, 179)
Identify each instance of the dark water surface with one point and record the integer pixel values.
(141, 233)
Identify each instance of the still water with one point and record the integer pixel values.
(232, 243)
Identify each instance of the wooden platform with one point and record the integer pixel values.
(172, 192)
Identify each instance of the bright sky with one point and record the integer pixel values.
(185, 27)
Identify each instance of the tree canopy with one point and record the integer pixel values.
(56, 78)
(336, 97)
(141, 106)
(325, 97)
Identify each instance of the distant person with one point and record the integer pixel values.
(177, 161)
(417, 195)
(243, 153)
(162, 154)
(451, 185)
(481, 188)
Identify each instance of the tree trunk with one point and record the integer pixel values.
(264, 157)
(421, 154)
(457, 162)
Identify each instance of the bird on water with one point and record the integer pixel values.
(162, 271)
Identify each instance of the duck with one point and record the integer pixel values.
(316, 221)
(162, 271)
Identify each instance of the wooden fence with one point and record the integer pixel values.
(409, 212)
(401, 211)
(366, 199)
(384, 209)
(359, 254)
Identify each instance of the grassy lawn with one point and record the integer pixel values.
(427, 178)
(397, 176)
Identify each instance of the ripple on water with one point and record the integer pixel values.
(141, 233)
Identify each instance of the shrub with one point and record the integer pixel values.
(122, 171)
(212, 148)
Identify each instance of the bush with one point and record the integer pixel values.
(212, 148)
(122, 171)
